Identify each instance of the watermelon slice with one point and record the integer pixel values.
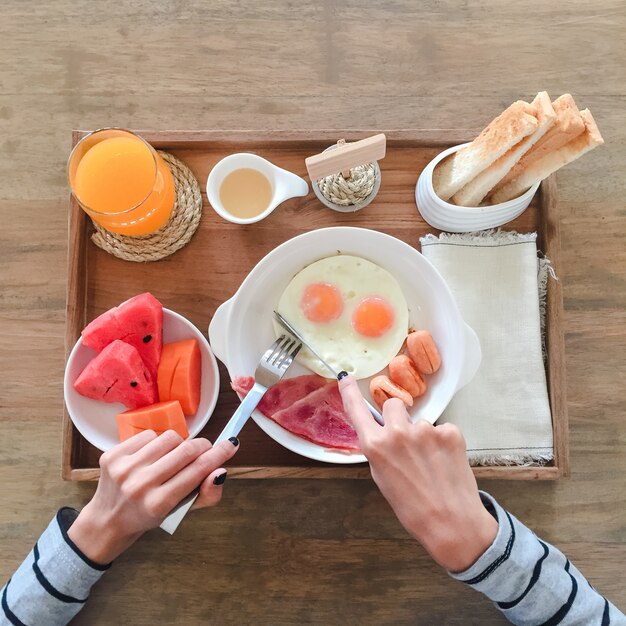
(138, 322)
(118, 374)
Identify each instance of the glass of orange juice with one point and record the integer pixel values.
(121, 182)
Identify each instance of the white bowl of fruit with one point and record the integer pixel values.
(140, 366)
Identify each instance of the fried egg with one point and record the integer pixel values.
(350, 310)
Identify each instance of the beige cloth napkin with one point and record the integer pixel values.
(498, 282)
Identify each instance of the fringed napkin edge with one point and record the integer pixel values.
(497, 237)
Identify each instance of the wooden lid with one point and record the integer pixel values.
(346, 156)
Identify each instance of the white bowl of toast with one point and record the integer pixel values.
(492, 180)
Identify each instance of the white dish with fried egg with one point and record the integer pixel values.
(242, 327)
(352, 312)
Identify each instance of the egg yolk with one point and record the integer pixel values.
(321, 303)
(373, 317)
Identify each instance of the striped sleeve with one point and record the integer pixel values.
(52, 584)
(532, 582)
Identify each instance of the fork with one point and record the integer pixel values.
(270, 370)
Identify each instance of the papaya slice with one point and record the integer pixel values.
(170, 355)
(180, 374)
(159, 417)
(126, 431)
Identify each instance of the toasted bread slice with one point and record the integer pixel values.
(501, 135)
(473, 193)
(569, 124)
(550, 163)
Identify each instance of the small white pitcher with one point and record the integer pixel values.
(284, 184)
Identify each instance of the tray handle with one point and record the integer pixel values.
(217, 330)
(473, 357)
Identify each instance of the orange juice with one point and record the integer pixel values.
(123, 184)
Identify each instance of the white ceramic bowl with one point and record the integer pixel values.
(241, 329)
(95, 420)
(446, 216)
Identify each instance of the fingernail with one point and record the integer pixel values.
(219, 480)
(342, 374)
(234, 441)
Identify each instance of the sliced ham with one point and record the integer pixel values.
(281, 396)
(320, 418)
(307, 406)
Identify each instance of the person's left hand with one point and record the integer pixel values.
(141, 481)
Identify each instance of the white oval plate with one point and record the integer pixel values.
(96, 421)
(241, 329)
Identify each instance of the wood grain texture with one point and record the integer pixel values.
(98, 281)
(306, 551)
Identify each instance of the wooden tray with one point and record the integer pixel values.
(195, 280)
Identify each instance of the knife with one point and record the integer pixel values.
(338, 375)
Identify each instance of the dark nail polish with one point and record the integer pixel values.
(219, 480)
(341, 375)
(234, 441)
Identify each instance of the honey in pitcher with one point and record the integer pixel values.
(245, 193)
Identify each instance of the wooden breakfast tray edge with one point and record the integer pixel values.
(77, 295)
(555, 340)
(348, 472)
(433, 136)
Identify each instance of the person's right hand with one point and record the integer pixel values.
(141, 481)
(422, 471)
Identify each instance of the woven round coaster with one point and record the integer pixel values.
(174, 235)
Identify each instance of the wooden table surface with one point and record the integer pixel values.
(305, 551)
